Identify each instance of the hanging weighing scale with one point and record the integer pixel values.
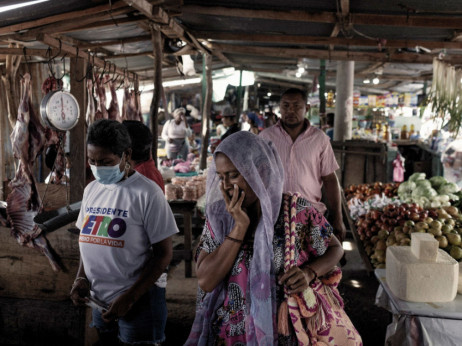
(59, 111)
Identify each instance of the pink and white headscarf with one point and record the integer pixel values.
(258, 162)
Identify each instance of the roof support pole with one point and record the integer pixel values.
(206, 110)
(157, 93)
(77, 134)
(344, 101)
(322, 87)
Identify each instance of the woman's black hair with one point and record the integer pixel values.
(141, 140)
(109, 134)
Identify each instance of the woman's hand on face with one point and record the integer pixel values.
(296, 280)
(118, 308)
(234, 206)
(79, 291)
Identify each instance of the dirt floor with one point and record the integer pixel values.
(357, 288)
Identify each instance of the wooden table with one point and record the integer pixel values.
(186, 208)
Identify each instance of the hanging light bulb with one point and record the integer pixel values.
(298, 74)
(301, 69)
(376, 81)
(366, 81)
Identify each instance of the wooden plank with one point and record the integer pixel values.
(335, 55)
(60, 17)
(95, 44)
(77, 140)
(67, 25)
(449, 22)
(323, 40)
(74, 51)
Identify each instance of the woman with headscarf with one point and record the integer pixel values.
(175, 133)
(263, 254)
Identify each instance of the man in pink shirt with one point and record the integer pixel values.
(308, 159)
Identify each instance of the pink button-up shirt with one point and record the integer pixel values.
(305, 161)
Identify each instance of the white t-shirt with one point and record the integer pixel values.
(118, 223)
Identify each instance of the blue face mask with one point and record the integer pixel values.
(107, 174)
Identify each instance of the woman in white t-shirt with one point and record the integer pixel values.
(175, 132)
(125, 243)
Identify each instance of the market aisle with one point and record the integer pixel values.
(357, 288)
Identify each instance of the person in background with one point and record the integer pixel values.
(307, 157)
(221, 127)
(141, 158)
(270, 117)
(125, 242)
(330, 125)
(253, 120)
(175, 133)
(246, 282)
(229, 120)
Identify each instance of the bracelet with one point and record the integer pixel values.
(234, 239)
(315, 275)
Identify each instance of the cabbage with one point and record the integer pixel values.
(421, 191)
(437, 181)
(453, 197)
(406, 187)
(448, 188)
(424, 183)
(417, 176)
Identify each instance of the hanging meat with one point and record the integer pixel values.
(101, 111)
(129, 111)
(138, 106)
(90, 115)
(113, 110)
(23, 203)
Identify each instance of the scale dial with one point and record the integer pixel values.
(60, 110)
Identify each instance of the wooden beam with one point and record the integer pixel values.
(94, 44)
(154, 13)
(337, 55)
(61, 17)
(75, 52)
(69, 25)
(448, 22)
(322, 40)
(280, 83)
(344, 11)
(78, 133)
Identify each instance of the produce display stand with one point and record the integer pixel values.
(419, 323)
(186, 208)
(362, 161)
(359, 243)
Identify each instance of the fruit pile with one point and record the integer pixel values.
(393, 225)
(364, 191)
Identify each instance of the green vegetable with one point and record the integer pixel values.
(437, 181)
(421, 191)
(424, 183)
(417, 176)
(448, 188)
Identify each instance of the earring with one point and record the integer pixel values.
(127, 166)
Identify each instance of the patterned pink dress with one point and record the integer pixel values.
(313, 234)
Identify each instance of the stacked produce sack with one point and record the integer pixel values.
(386, 214)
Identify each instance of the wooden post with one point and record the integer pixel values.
(157, 93)
(206, 109)
(322, 87)
(78, 133)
